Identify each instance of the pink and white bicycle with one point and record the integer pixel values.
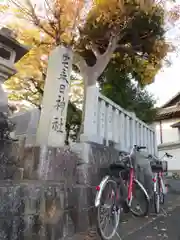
(159, 188)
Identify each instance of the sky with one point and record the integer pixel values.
(167, 82)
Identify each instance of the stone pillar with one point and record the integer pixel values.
(51, 130)
(91, 115)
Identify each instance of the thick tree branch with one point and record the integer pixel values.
(112, 45)
(95, 50)
(104, 59)
(80, 62)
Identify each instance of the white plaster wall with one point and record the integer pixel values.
(170, 142)
(169, 134)
(174, 163)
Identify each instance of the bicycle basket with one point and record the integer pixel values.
(159, 166)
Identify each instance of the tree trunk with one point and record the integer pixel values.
(81, 129)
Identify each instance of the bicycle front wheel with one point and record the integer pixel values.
(108, 214)
(139, 205)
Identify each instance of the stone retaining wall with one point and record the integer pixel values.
(54, 199)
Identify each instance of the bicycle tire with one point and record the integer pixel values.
(162, 195)
(157, 198)
(145, 197)
(156, 202)
(117, 212)
(162, 198)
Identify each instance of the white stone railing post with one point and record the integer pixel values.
(91, 115)
(133, 129)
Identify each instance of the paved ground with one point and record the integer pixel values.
(174, 185)
(164, 226)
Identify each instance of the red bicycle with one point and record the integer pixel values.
(120, 190)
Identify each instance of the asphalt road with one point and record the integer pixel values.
(164, 226)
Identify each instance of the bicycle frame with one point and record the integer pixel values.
(130, 187)
(155, 180)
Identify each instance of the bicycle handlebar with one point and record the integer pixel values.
(135, 149)
(139, 147)
(168, 155)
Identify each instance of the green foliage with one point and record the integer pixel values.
(139, 27)
(73, 122)
(119, 87)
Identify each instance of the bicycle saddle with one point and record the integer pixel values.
(117, 166)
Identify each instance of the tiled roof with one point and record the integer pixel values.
(176, 125)
(168, 112)
(175, 99)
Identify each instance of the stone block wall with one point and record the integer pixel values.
(54, 200)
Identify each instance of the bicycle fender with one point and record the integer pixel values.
(164, 190)
(142, 187)
(155, 183)
(99, 193)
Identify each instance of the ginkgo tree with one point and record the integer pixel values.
(28, 83)
(129, 31)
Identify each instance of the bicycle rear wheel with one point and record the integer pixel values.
(162, 192)
(108, 214)
(139, 205)
(157, 197)
(162, 198)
